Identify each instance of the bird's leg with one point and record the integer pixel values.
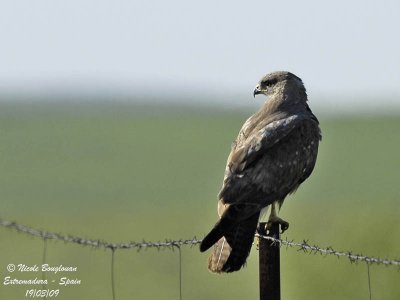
(273, 218)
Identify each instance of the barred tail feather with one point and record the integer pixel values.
(219, 256)
(231, 251)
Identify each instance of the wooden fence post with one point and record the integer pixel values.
(269, 263)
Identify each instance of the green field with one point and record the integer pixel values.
(126, 173)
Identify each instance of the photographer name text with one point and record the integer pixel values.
(45, 268)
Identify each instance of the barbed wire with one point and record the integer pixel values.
(172, 244)
(98, 243)
(306, 247)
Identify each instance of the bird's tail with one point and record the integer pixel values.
(232, 243)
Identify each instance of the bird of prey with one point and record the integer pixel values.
(275, 151)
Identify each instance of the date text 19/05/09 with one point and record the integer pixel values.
(33, 293)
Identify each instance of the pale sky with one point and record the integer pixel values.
(350, 49)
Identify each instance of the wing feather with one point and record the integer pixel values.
(247, 148)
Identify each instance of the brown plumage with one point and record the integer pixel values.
(275, 151)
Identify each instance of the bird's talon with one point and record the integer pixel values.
(284, 226)
(276, 220)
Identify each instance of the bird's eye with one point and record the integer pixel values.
(269, 82)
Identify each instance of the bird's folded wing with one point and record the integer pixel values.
(259, 141)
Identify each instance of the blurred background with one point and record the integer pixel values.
(116, 119)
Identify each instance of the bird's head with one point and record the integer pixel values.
(271, 82)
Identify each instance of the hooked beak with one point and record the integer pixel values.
(256, 90)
